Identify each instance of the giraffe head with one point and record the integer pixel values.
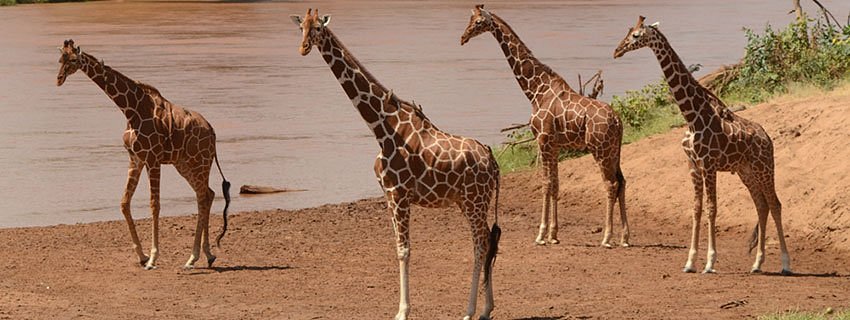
(481, 21)
(313, 29)
(638, 37)
(69, 61)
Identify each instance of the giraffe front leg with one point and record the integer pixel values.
(133, 174)
(711, 192)
(546, 174)
(154, 176)
(399, 207)
(697, 216)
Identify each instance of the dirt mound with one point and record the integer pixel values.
(338, 261)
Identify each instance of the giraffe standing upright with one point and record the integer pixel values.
(418, 163)
(716, 140)
(560, 119)
(158, 132)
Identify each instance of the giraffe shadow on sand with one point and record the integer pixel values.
(239, 268)
(541, 318)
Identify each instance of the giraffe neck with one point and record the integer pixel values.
(530, 72)
(679, 79)
(384, 114)
(127, 94)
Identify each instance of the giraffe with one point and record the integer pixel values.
(560, 119)
(716, 140)
(418, 163)
(158, 132)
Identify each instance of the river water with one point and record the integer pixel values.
(282, 119)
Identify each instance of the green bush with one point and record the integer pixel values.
(637, 107)
(818, 54)
(7, 2)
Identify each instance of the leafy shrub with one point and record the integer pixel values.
(637, 107)
(777, 58)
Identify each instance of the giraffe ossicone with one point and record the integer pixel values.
(560, 119)
(418, 163)
(158, 132)
(716, 140)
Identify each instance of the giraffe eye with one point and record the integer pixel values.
(636, 35)
(477, 21)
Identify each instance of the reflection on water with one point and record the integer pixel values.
(282, 119)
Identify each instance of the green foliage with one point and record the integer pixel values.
(638, 107)
(818, 54)
(7, 3)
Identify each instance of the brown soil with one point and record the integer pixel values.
(338, 261)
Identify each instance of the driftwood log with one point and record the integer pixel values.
(250, 189)
(717, 80)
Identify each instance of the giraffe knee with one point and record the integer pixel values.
(403, 253)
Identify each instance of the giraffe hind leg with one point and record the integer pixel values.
(621, 198)
(776, 211)
(757, 240)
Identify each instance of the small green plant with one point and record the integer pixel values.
(7, 3)
(828, 314)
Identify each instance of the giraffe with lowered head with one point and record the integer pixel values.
(418, 163)
(158, 132)
(716, 140)
(560, 119)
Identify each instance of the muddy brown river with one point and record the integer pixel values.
(282, 120)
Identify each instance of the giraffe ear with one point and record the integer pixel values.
(325, 20)
(655, 24)
(296, 19)
(485, 13)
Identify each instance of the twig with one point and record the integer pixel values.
(825, 12)
(514, 127)
(513, 143)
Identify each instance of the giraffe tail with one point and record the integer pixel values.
(225, 188)
(495, 231)
(753, 239)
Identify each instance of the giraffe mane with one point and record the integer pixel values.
(412, 106)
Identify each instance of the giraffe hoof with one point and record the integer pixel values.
(755, 271)
(606, 245)
(188, 267)
(786, 272)
(210, 261)
(150, 267)
(483, 318)
(689, 270)
(708, 271)
(554, 241)
(540, 242)
(144, 261)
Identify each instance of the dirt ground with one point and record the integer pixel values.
(338, 261)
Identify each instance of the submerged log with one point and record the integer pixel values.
(249, 189)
